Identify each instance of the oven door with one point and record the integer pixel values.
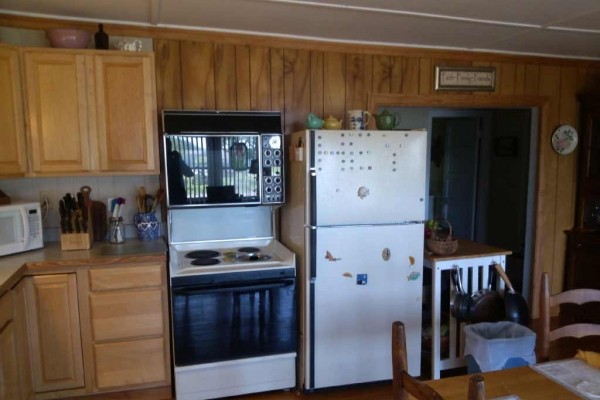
(230, 316)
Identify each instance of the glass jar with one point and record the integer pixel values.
(116, 230)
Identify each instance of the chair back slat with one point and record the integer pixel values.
(576, 329)
(575, 296)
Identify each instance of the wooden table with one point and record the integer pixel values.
(471, 258)
(525, 382)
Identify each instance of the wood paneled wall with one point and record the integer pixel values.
(209, 74)
(208, 70)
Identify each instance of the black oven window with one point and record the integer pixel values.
(251, 319)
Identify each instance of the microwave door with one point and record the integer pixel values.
(212, 170)
(11, 226)
(20, 228)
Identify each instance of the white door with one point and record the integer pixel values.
(366, 278)
(368, 177)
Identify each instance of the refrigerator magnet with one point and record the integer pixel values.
(330, 257)
(386, 254)
(413, 276)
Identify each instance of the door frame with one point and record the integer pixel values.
(541, 222)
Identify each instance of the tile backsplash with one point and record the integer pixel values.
(103, 188)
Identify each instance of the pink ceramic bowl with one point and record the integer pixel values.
(68, 38)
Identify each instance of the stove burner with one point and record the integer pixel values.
(254, 257)
(203, 254)
(205, 261)
(248, 249)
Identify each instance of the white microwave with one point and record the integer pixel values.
(20, 227)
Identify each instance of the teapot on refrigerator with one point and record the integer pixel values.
(314, 122)
(332, 123)
(386, 120)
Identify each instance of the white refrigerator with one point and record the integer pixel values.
(354, 216)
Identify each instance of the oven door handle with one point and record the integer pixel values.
(198, 290)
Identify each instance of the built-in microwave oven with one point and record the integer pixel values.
(219, 159)
(20, 228)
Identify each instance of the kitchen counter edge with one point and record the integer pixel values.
(51, 259)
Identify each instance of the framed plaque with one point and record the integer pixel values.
(465, 78)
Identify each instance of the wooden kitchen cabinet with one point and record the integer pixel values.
(70, 329)
(129, 326)
(13, 162)
(9, 378)
(54, 332)
(22, 340)
(15, 373)
(582, 268)
(9, 371)
(126, 113)
(60, 110)
(90, 112)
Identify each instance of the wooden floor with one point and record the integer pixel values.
(382, 391)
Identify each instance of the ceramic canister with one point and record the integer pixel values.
(358, 119)
(147, 226)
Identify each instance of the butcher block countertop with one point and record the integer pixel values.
(469, 249)
(51, 259)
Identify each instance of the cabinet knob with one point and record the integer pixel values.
(579, 245)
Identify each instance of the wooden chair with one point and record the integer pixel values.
(570, 327)
(404, 384)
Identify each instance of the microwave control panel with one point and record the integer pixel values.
(272, 169)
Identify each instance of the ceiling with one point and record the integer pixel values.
(556, 28)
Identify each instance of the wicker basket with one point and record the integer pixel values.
(442, 246)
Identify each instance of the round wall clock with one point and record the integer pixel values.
(564, 139)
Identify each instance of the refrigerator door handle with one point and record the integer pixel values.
(313, 255)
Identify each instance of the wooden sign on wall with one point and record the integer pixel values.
(465, 78)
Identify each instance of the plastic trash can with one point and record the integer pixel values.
(491, 346)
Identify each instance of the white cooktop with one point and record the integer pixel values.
(229, 257)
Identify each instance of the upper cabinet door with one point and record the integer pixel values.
(126, 113)
(12, 135)
(59, 104)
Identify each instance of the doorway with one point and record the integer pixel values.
(481, 177)
(459, 169)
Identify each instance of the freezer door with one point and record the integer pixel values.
(368, 177)
(366, 278)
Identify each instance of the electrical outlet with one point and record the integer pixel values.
(46, 197)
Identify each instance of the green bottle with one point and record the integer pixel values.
(101, 38)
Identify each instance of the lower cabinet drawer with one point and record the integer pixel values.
(119, 278)
(137, 362)
(126, 315)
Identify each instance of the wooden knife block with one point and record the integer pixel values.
(78, 241)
